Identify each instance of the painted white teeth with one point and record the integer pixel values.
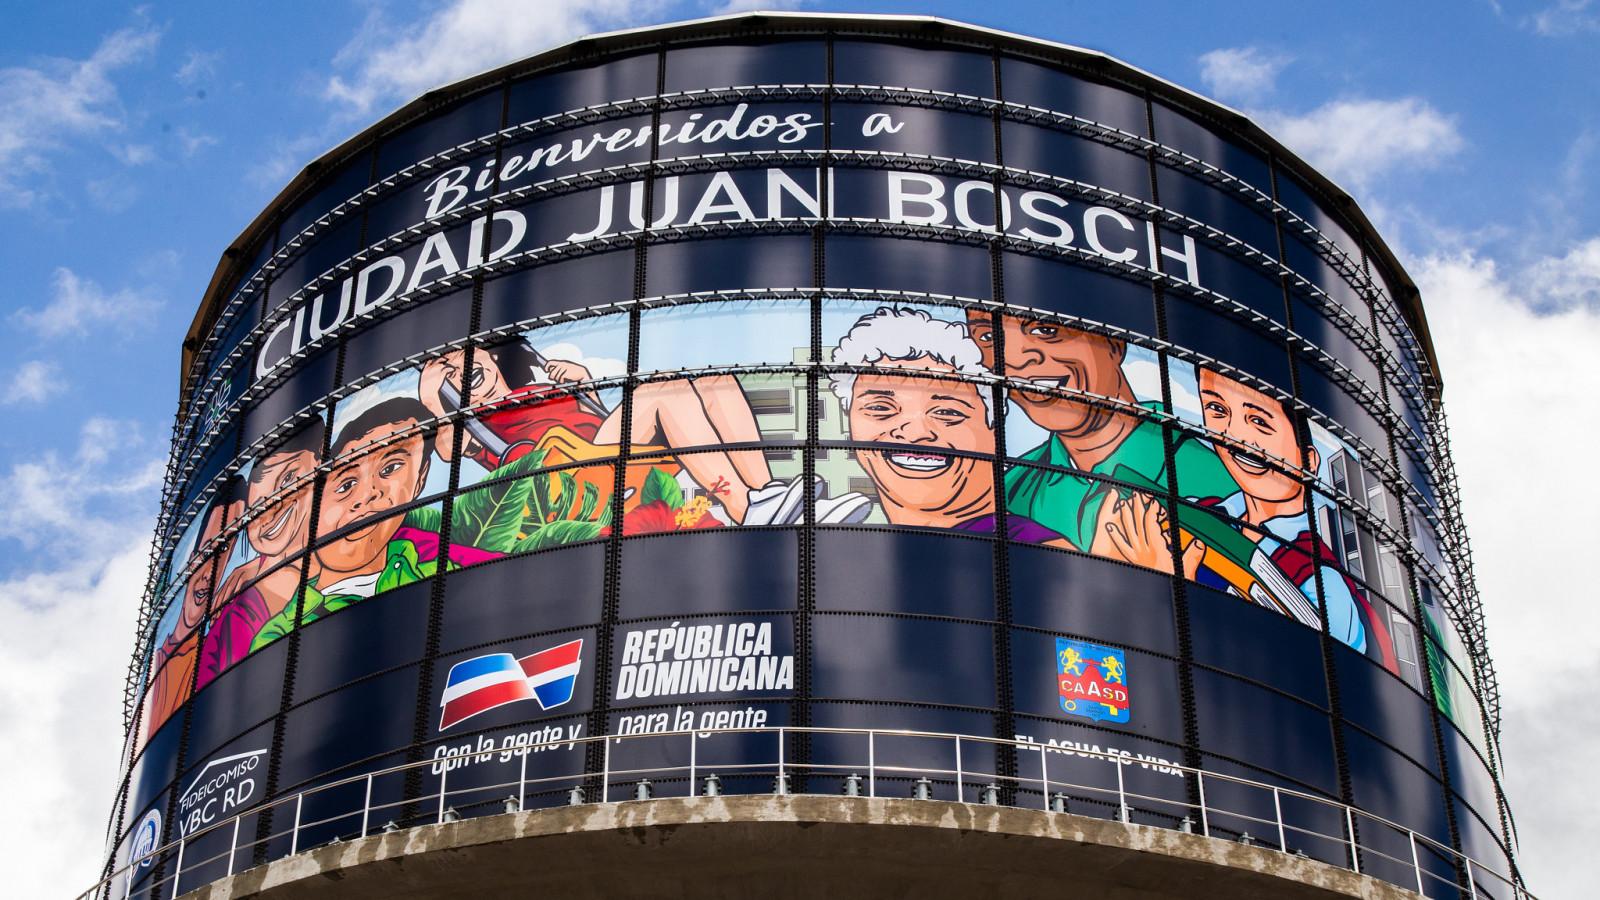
(272, 530)
(919, 462)
(1250, 461)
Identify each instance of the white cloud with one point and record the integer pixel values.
(33, 382)
(288, 156)
(1241, 73)
(1185, 402)
(113, 194)
(600, 367)
(1567, 281)
(60, 505)
(1579, 160)
(1517, 385)
(192, 142)
(1144, 376)
(735, 6)
(69, 599)
(133, 154)
(160, 266)
(1551, 741)
(69, 630)
(389, 62)
(1565, 17)
(98, 436)
(1357, 141)
(198, 66)
(78, 305)
(60, 99)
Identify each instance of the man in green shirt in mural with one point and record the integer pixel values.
(1089, 439)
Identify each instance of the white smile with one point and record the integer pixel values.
(1249, 462)
(920, 462)
(276, 527)
(1045, 388)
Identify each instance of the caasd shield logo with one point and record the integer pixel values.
(1093, 680)
(487, 682)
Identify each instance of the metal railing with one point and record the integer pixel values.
(879, 763)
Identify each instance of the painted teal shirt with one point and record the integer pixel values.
(1069, 502)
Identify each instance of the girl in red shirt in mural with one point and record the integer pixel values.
(703, 411)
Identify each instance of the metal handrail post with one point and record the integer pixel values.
(694, 743)
(1277, 809)
(780, 757)
(605, 772)
(442, 776)
(872, 763)
(1355, 850)
(366, 808)
(1205, 821)
(1415, 864)
(1122, 799)
(522, 781)
(1472, 884)
(127, 889)
(294, 835)
(961, 784)
(234, 843)
(1044, 775)
(177, 868)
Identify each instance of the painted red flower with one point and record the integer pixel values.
(657, 516)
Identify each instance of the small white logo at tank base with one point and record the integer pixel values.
(146, 837)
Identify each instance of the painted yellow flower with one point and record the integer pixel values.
(691, 512)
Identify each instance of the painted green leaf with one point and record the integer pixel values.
(424, 518)
(527, 463)
(564, 531)
(658, 485)
(591, 499)
(569, 489)
(400, 569)
(309, 604)
(491, 518)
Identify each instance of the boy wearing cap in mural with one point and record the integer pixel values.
(175, 660)
(924, 486)
(1271, 508)
(1090, 438)
(388, 551)
(262, 587)
(706, 410)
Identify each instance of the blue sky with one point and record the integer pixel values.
(137, 141)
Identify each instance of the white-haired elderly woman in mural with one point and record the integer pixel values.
(923, 396)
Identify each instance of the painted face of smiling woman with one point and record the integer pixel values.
(904, 395)
(917, 484)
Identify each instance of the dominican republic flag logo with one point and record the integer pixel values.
(486, 682)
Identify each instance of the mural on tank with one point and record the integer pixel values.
(765, 437)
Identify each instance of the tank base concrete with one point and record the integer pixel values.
(795, 846)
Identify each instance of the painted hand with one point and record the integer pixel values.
(1135, 529)
(564, 371)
